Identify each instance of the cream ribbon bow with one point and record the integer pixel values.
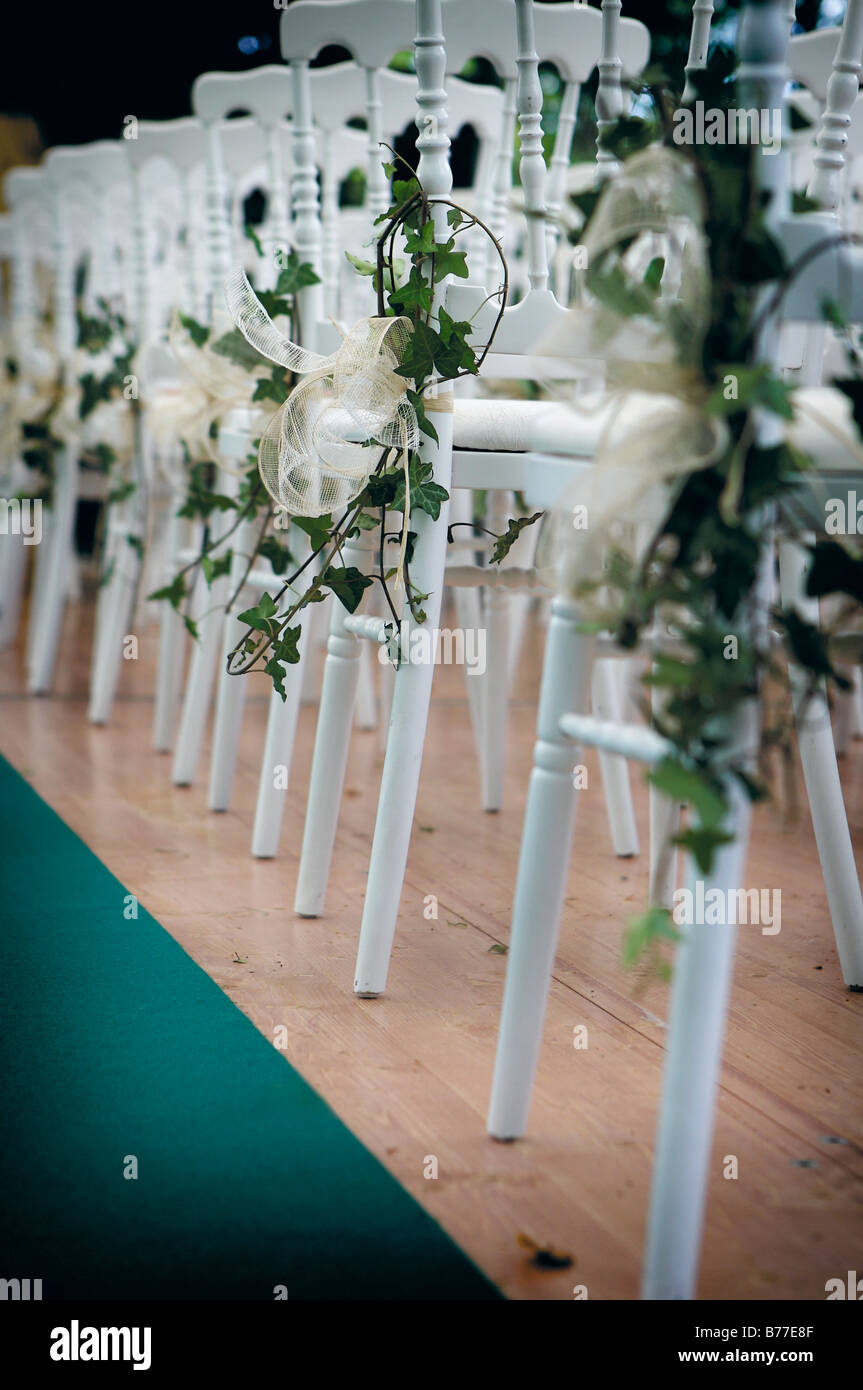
(654, 429)
(183, 405)
(316, 453)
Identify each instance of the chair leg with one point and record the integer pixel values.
(366, 705)
(330, 757)
(317, 628)
(386, 688)
(468, 611)
(614, 769)
(703, 968)
(172, 645)
(14, 563)
(230, 690)
(824, 789)
(278, 753)
(543, 863)
(53, 598)
(495, 680)
(664, 822)
(200, 681)
(116, 621)
(845, 702)
(279, 743)
(400, 779)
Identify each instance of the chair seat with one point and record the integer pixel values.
(573, 430)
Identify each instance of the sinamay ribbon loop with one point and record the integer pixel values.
(185, 405)
(315, 455)
(657, 429)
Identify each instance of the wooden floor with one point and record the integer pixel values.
(410, 1073)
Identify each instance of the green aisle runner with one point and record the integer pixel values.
(114, 1043)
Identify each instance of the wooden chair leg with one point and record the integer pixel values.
(329, 761)
(400, 779)
(172, 645)
(231, 690)
(824, 789)
(620, 810)
(703, 968)
(49, 614)
(542, 871)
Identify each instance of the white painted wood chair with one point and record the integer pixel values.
(27, 245)
(63, 169)
(483, 430)
(704, 961)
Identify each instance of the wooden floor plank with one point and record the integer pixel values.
(410, 1073)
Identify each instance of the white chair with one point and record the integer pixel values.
(704, 961)
(483, 430)
(26, 241)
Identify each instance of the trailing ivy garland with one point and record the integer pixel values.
(704, 558)
(438, 351)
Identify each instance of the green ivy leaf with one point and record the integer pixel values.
(702, 842)
(212, 569)
(423, 421)
(503, 545)
(646, 932)
(234, 346)
(173, 593)
(426, 495)
(453, 354)
(681, 783)
(348, 584)
(419, 357)
(852, 387)
(422, 241)
(835, 570)
(198, 332)
(278, 554)
(414, 296)
(809, 647)
(296, 275)
(250, 232)
(272, 389)
(447, 261)
(262, 618)
(317, 528)
(285, 652)
(360, 266)
(654, 272)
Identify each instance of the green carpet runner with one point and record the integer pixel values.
(115, 1046)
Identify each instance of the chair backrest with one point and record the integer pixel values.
(577, 38)
(841, 94)
(25, 191)
(180, 147)
(65, 170)
(372, 32)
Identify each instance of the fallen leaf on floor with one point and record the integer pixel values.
(497, 949)
(451, 923)
(544, 1256)
(352, 791)
(427, 828)
(833, 1139)
(239, 960)
(803, 1163)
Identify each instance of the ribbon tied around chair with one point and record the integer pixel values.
(642, 317)
(318, 451)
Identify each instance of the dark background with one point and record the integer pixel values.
(79, 68)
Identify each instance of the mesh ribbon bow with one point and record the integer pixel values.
(315, 454)
(643, 319)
